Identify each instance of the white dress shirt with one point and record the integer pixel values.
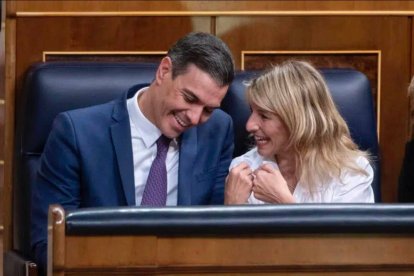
(144, 135)
(352, 187)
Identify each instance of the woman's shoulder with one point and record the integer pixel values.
(355, 183)
(359, 169)
(364, 164)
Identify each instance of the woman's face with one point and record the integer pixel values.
(270, 133)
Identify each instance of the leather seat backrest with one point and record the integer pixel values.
(50, 88)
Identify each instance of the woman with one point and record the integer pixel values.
(406, 179)
(303, 152)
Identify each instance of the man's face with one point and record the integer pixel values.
(186, 101)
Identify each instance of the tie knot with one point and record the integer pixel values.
(163, 143)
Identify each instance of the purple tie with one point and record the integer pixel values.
(155, 192)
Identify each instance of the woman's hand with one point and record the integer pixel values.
(238, 184)
(270, 186)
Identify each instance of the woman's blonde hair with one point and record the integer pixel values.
(319, 136)
(411, 88)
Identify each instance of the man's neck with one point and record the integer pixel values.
(145, 104)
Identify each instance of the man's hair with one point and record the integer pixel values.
(297, 93)
(206, 51)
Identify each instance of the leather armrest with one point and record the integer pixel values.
(15, 264)
(237, 220)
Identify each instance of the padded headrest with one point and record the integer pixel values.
(235, 104)
(247, 220)
(51, 88)
(351, 92)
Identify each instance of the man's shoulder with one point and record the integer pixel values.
(91, 112)
(218, 117)
(216, 127)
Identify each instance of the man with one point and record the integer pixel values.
(110, 154)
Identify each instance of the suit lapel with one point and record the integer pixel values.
(121, 137)
(188, 151)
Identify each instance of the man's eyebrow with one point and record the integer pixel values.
(190, 94)
(193, 97)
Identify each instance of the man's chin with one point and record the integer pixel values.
(173, 133)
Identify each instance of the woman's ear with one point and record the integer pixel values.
(164, 70)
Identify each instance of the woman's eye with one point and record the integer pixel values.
(264, 116)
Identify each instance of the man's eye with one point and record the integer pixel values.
(208, 110)
(189, 99)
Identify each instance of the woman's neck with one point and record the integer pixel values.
(287, 167)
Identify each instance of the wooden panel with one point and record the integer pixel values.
(153, 57)
(99, 34)
(2, 121)
(282, 250)
(1, 252)
(2, 134)
(410, 105)
(10, 80)
(251, 255)
(1, 166)
(250, 273)
(332, 33)
(2, 61)
(213, 5)
(1, 216)
(130, 251)
(208, 254)
(1, 201)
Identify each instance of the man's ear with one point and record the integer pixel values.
(164, 70)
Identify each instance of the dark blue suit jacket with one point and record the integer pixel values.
(87, 162)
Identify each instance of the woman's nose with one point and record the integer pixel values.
(251, 125)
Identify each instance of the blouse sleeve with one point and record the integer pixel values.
(355, 187)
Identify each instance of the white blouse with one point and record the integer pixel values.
(352, 187)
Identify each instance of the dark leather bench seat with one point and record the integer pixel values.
(234, 220)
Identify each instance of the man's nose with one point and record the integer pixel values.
(196, 115)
